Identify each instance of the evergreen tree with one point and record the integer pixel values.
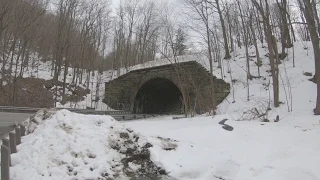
(180, 46)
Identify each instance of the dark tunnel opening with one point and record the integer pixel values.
(159, 96)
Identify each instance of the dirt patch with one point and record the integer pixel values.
(136, 164)
(39, 93)
(26, 92)
(72, 93)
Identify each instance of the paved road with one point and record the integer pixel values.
(8, 119)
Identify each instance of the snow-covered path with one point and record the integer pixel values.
(253, 150)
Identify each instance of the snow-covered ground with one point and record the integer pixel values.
(198, 148)
(287, 150)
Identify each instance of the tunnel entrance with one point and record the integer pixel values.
(158, 96)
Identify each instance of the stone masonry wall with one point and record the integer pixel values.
(194, 79)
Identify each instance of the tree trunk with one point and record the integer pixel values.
(311, 22)
(271, 48)
(254, 39)
(284, 28)
(224, 32)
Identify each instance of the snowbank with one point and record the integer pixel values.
(72, 146)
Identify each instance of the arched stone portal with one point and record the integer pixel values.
(158, 95)
(161, 85)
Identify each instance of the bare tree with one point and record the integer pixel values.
(284, 27)
(172, 39)
(131, 9)
(6, 8)
(246, 43)
(216, 5)
(273, 56)
(307, 7)
(230, 25)
(203, 11)
(135, 33)
(254, 40)
(148, 29)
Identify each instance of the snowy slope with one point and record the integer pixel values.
(291, 78)
(43, 70)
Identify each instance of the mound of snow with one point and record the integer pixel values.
(33, 121)
(73, 146)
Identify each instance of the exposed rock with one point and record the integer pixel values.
(124, 135)
(48, 84)
(307, 73)
(136, 163)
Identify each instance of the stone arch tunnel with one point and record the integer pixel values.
(158, 95)
(158, 90)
